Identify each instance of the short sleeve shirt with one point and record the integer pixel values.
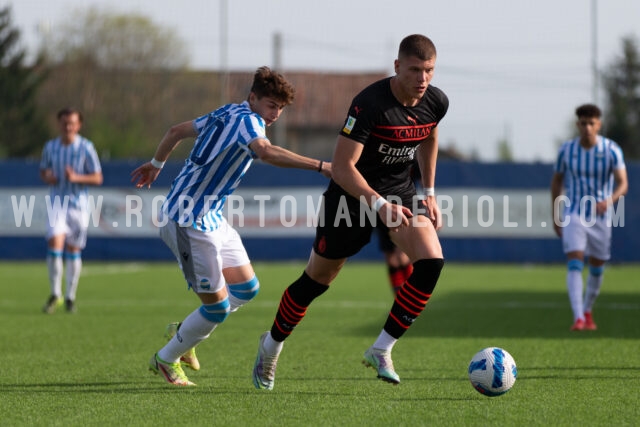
(81, 156)
(588, 172)
(390, 133)
(218, 161)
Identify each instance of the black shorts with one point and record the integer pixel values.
(344, 226)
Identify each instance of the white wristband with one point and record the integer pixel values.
(156, 164)
(380, 201)
(429, 191)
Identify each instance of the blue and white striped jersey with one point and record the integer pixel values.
(81, 156)
(588, 172)
(218, 161)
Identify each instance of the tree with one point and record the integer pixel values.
(112, 40)
(505, 154)
(504, 150)
(120, 71)
(622, 84)
(23, 130)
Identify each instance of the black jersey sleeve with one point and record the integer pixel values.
(441, 102)
(361, 117)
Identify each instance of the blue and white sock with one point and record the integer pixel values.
(575, 288)
(54, 266)
(73, 267)
(194, 329)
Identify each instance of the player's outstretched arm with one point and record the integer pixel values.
(281, 157)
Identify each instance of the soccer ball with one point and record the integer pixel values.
(492, 371)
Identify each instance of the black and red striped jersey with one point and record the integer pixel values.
(390, 133)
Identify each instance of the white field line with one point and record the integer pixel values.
(512, 305)
(107, 269)
(340, 305)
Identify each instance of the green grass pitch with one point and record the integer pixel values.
(90, 368)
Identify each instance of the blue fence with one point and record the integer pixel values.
(459, 178)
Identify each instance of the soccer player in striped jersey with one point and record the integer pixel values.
(389, 123)
(591, 171)
(68, 165)
(209, 251)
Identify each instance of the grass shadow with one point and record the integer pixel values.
(515, 314)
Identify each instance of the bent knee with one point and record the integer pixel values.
(217, 312)
(596, 271)
(245, 291)
(575, 265)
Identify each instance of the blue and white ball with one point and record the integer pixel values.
(492, 371)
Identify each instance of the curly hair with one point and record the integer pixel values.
(272, 84)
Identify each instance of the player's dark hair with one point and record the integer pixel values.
(67, 111)
(588, 111)
(417, 45)
(272, 84)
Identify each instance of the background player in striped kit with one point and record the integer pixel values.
(209, 251)
(69, 164)
(587, 168)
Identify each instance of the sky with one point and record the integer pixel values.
(512, 69)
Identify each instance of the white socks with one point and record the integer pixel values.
(54, 265)
(194, 329)
(74, 267)
(272, 346)
(574, 288)
(593, 290)
(236, 303)
(385, 341)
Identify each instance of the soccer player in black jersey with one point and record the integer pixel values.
(399, 266)
(388, 124)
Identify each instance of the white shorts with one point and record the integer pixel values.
(592, 239)
(73, 224)
(203, 255)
